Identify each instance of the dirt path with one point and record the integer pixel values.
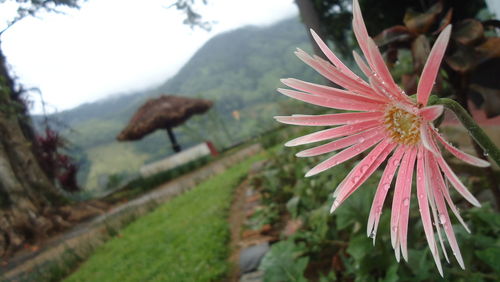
(85, 237)
(236, 221)
(245, 202)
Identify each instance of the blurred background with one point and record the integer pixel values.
(73, 75)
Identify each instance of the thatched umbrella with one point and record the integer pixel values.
(164, 112)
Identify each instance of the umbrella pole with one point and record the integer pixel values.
(171, 136)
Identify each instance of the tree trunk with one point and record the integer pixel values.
(27, 195)
(311, 20)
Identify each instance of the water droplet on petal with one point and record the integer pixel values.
(364, 168)
(394, 229)
(442, 219)
(355, 179)
(421, 196)
(387, 186)
(372, 234)
(406, 202)
(361, 139)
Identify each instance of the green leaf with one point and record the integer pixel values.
(359, 246)
(490, 256)
(392, 274)
(282, 262)
(330, 277)
(292, 206)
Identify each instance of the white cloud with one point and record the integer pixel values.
(115, 46)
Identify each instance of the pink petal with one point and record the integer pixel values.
(431, 67)
(330, 119)
(397, 250)
(339, 101)
(373, 56)
(404, 212)
(361, 64)
(426, 138)
(333, 133)
(446, 194)
(363, 170)
(358, 86)
(359, 28)
(382, 73)
(331, 56)
(335, 75)
(422, 192)
(431, 113)
(381, 89)
(459, 154)
(397, 199)
(382, 189)
(343, 156)
(459, 186)
(341, 143)
(430, 181)
(443, 217)
(322, 90)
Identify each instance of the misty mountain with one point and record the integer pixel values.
(238, 70)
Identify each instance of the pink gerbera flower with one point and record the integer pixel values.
(387, 119)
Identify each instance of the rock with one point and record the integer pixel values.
(250, 257)
(256, 276)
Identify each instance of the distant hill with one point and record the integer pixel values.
(239, 70)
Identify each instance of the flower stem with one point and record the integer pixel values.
(490, 149)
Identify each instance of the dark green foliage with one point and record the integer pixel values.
(490, 256)
(283, 262)
(342, 238)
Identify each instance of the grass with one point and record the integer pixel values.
(185, 239)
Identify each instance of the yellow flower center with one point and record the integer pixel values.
(402, 126)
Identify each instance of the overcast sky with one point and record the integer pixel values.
(115, 46)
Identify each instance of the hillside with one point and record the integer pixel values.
(238, 70)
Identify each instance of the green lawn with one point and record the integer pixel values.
(185, 239)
